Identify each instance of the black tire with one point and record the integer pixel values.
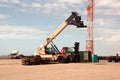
(109, 60)
(61, 59)
(37, 60)
(116, 60)
(67, 60)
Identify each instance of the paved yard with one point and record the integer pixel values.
(13, 70)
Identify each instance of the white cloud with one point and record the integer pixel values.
(107, 40)
(36, 5)
(108, 3)
(3, 5)
(107, 30)
(11, 31)
(103, 7)
(108, 35)
(107, 7)
(110, 11)
(49, 7)
(15, 1)
(72, 1)
(103, 2)
(3, 16)
(8, 1)
(63, 7)
(107, 22)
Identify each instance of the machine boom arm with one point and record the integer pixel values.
(71, 20)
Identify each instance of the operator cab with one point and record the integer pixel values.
(67, 50)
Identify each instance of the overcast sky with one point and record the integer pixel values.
(25, 24)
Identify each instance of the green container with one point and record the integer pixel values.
(81, 55)
(94, 58)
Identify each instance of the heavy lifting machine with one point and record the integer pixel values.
(49, 55)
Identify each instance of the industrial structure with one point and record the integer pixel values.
(90, 23)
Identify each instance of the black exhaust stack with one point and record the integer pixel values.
(76, 47)
(76, 56)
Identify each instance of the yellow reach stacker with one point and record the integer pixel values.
(51, 54)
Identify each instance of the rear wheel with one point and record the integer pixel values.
(37, 60)
(63, 59)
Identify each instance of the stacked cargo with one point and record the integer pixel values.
(81, 55)
(85, 56)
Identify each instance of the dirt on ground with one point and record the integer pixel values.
(11, 69)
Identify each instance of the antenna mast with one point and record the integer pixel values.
(90, 22)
